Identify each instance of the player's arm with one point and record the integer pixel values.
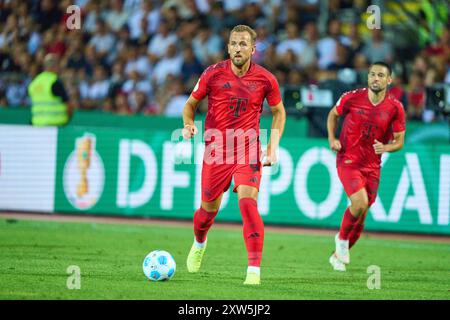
(278, 122)
(394, 145)
(332, 121)
(189, 129)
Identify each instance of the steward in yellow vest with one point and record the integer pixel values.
(49, 99)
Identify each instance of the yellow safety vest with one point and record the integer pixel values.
(46, 108)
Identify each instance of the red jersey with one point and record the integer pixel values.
(365, 122)
(236, 102)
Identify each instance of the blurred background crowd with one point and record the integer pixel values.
(145, 56)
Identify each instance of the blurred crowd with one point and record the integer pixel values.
(145, 56)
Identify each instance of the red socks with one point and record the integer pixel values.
(253, 230)
(355, 234)
(203, 220)
(347, 225)
(357, 230)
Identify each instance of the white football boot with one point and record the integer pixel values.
(336, 263)
(342, 251)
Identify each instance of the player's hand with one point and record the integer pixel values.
(189, 131)
(335, 145)
(379, 147)
(268, 160)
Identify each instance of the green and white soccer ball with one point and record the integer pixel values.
(159, 265)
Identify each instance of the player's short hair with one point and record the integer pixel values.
(244, 28)
(383, 64)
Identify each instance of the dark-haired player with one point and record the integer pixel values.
(374, 123)
(236, 89)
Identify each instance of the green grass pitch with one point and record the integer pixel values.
(36, 254)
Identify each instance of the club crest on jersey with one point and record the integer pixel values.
(252, 85)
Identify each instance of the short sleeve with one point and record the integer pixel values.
(59, 90)
(399, 122)
(273, 95)
(201, 89)
(341, 104)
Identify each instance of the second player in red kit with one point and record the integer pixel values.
(374, 123)
(236, 89)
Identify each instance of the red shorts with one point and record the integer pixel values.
(216, 178)
(354, 179)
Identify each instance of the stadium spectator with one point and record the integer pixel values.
(121, 106)
(94, 92)
(309, 56)
(191, 68)
(207, 46)
(159, 44)
(55, 44)
(342, 58)
(47, 15)
(116, 17)
(93, 14)
(148, 12)
(377, 49)
(171, 63)
(217, 19)
(75, 59)
(397, 90)
(264, 40)
(49, 98)
(137, 61)
(135, 83)
(356, 43)
(103, 41)
(10, 31)
(327, 46)
(308, 11)
(177, 100)
(292, 42)
(416, 96)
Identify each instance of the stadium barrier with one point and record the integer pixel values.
(140, 172)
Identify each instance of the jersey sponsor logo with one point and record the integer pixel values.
(369, 131)
(238, 105)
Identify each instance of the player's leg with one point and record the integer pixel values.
(253, 231)
(355, 234)
(354, 185)
(358, 208)
(372, 183)
(216, 179)
(203, 220)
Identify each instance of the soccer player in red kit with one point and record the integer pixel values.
(236, 89)
(374, 123)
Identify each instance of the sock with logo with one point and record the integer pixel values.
(253, 230)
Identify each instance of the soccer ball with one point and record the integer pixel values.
(159, 265)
